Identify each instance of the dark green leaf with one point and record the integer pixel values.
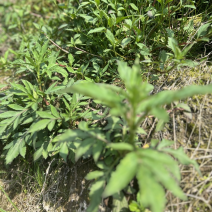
(95, 195)
(84, 147)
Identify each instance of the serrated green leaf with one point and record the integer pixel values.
(16, 122)
(70, 59)
(9, 114)
(117, 182)
(162, 175)
(40, 125)
(14, 150)
(148, 185)
(43, 50)
(162, 158)
(182, 157)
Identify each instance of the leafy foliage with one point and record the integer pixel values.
(66, 101)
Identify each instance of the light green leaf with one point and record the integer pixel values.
(14, 151)
(45, 115)
(161, 174)
(117, 182)
(173, 44)
(110, 37)
(9, 114)
(160, 113)
(51, 125)
(99, 29)
(120, 146)
(95, 195)
(162, 158)
(97, 149)
(43, 50)
(125, 41)
(133, 6)
(16, 122)
(38, 153)
(167, 97)
(16, 107)
(94, 175)
(70, 59)
(182, 157)
(106, 93)
(54, 111)
(147, 184)
(190, 6)
(64, 151)
(184, 106)
(22, 148)
(141, 131)
(40, 125)
(165, 143)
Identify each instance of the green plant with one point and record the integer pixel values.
(30, 109)
(118, 146)
(61, 46)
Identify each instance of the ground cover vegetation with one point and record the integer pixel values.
(85, 77)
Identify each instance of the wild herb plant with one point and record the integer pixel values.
(39, 114)
(116, 149)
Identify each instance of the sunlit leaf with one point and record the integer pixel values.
(117, 182)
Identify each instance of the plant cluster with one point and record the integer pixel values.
(69, 99)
